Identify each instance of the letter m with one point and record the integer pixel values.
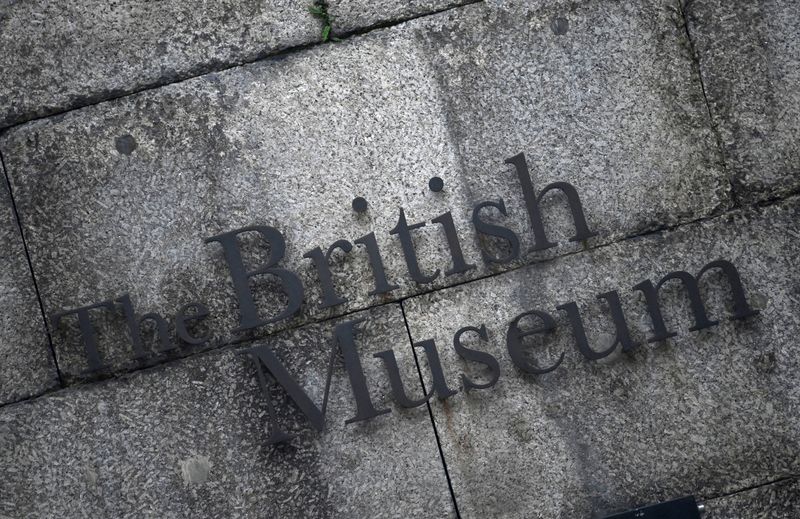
(344, 340)
(741, 309)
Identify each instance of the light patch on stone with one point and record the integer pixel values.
(91, 476)
(195, 469)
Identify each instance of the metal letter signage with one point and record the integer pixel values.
(523, 332)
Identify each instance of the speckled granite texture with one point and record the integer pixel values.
(132, 132)
(703, 413)
(59, 55)
(749, 56)
(134, 186)
(190, 440)
(779, 500)
(26, 360)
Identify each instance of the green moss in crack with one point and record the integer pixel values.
(320, 10)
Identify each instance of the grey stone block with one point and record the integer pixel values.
(600, 94)
(134, 186)
(350, 15)
(749, 56)
(189, 439)
(118, 197)
(779, 500)
(63, 54)
(26, 361)
(703, 413)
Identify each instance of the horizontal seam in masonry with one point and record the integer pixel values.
(793, 477)
(201, 70)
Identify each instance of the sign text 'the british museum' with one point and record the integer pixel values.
(528, 323)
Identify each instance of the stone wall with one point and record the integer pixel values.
(133, 132)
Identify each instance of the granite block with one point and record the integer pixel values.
(703, 413)
(603, 95)
(65, 54)
(190, 439)
(749, 55)
(119, 197)
(780, 500)
(26, 359)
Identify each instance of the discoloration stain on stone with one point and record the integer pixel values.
(520, 430)
(448, 413)
(748, 56)
(91, 476)
(759, 301)
(125, 144)
(560, 25)
(765, 362)
(195, 469)
(680, 402)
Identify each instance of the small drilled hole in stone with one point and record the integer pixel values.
(359, 204)
(436, 184)
(125, 144)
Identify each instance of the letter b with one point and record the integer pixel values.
(248, 314)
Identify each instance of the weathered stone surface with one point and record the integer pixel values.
(65, 54)
(749, 56)
(26, 362)
(350, 15)
(57, 55)
(705, 413)
(776, 501)
(119, 197)
(189, 439)
(599, 94)
(133, 187)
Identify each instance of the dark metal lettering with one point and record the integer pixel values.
(435, 365)
(88, 336)
(322, 263)
(345, 337)
(181, 319)
(476, 356)
(344, 334)
(135, 328)
(459, 264)
(515, 346)
(532, 201)
(741, 309)
(403, 231)
(495, 230)
(382, 286)
(623, 336)
(398, 390)
(248, 314)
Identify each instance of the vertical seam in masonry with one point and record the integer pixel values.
(430, 414)
(30, 269)
(683, 6)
